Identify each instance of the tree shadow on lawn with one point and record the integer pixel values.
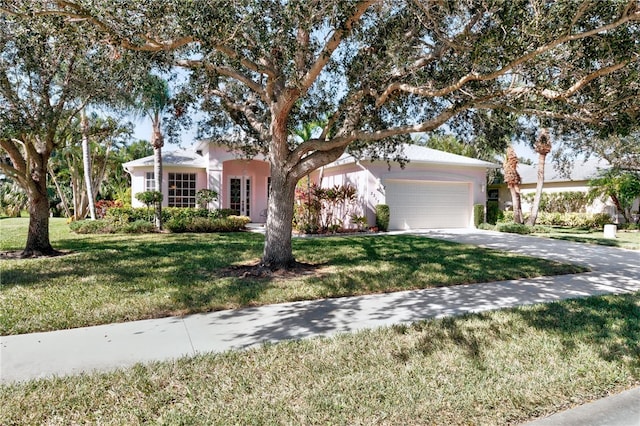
(187, 268)
(610, 324)
(391, 263)
(120, 260)
(613, 322)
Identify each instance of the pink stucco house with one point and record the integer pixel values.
(434, 190)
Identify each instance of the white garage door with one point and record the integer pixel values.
(419, 204)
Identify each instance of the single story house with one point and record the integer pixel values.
(434, 190)
(574, 180)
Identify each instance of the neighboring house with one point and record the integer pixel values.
(577, 180)
(434, 190)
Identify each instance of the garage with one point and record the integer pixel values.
(415, 204)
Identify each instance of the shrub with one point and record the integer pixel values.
(176, 219)
(205, 196)
(382, 217)
(99, 226)
(561, 202)
(103, 206)
(225, 212)
(574, 220)
(493, 212)
(513, 228)
(506, 217)
(138, 227)
(207, 224)
(149, 198)
(478, 214)
(123, 215)
(360, 222)
(487, 227)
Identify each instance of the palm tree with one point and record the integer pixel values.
(542, 146)
(512, 178)
(86, 162)
(151, 101)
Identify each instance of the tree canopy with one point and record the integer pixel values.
(48, 73)
(378, 70)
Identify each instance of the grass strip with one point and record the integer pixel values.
(501, 367)
(629, 240)
(115, 278)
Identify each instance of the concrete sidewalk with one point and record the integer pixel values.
(107, 347)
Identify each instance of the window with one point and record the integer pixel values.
(149, 182)
(182, 190)
(493, 194)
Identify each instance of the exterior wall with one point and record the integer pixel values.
(597, 206)
(361, 178)
(370, 180)
(138, 181)
(258, 172)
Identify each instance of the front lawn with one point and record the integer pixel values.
(624, 239)
(501, 367)
(114, 278)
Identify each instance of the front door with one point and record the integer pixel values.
(240, 195)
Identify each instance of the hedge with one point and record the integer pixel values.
(382, 217)
(140, 220)
(205, 224)
(568, 220)
(478, 214)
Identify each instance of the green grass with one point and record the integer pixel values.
(624, 239)
(114, 278)
(502, 367)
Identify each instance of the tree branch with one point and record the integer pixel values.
(246, 110)
(473, 76)
(333, 43)
(226, 71)
(79, 13)
(314, 146)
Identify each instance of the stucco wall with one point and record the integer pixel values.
(139, 174)
(370, 180)
(597, 206)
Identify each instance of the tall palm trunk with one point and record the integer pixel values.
(512, 178)
(542, 147)
(157, 141)
(86, 162)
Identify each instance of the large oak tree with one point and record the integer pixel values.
(374, 69)
(48, 73)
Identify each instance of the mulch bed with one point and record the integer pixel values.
(258, 270)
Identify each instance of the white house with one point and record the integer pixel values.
(434, 190)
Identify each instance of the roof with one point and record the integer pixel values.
(183, 158)
(579, 171)
(414, 153)
(421, 154)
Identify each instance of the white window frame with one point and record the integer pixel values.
(177, 196)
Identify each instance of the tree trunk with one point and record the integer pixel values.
(86, 162)
(157, 142)
(277, 248)
(63, 198)
(619, 208)
(38, 234)
(536, 199)
(517, 204)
